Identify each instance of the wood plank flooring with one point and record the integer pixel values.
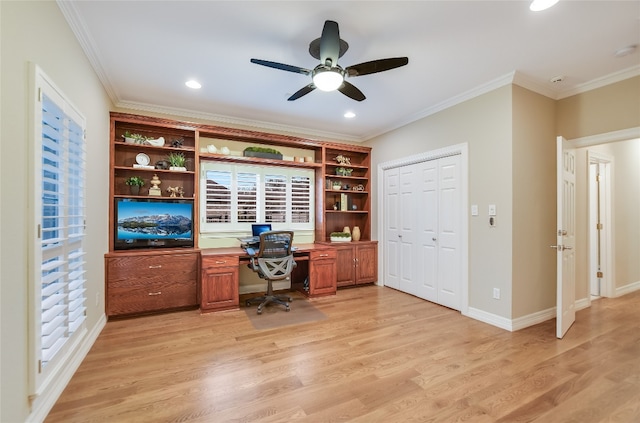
(380, 356)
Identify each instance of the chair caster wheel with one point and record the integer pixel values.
(259, 311)
(247, 303)
(287, 309)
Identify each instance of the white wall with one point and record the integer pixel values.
(36, 31)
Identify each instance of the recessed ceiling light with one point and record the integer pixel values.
(193, 84)
(557, 79)
(538, 5)
(349, 115)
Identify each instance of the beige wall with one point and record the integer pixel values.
(611, 108)
(35, 31)
(607, 109)
(485, 124)
(534, 202)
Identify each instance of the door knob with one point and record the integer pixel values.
(433, 239)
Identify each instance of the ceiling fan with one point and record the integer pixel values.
(328, 75)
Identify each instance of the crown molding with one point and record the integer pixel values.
(600, 82)
(234, 121)
(87, 44)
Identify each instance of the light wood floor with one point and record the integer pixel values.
(380, 356)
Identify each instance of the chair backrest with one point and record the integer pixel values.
(275, 259)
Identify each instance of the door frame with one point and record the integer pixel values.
(605, 138)
(457, 149)
(606, 241)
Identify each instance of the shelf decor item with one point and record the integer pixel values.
(131, 138)
(337, 186)
(158, 142)
(343, 160)
(177, 161)
(344, 171)
(134, 182)
(355, 233)
(155, 187)
(340, 237)
(262, 152)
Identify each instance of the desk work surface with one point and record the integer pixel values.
(238, 251)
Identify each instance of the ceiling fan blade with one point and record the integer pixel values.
(351, 91)
(375, 66)
(302, 91)
(281, 66)
(330, 44)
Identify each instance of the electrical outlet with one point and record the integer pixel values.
(496, 293)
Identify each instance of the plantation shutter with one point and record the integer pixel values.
(236, 195)
(59, 306)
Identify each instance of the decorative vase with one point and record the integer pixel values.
(135, 189)
(346, 230)
(355, 234)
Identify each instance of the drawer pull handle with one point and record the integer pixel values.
(324, 255)
(221, 262)
(151, 294)
(157, 266)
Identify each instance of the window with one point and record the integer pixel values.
(234, 196)
(58, 263)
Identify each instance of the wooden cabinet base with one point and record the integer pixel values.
(219, 283)
(143, 282)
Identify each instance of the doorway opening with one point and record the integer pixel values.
(600, 224)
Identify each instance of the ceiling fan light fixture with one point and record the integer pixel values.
(539, 5)
(327, 79)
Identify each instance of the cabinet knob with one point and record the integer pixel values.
(151, 294)
(221, 261)
(323, 255)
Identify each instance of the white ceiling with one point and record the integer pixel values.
(144, 51)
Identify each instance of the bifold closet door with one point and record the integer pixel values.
(423, 220)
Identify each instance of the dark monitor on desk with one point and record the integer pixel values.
(258, 228)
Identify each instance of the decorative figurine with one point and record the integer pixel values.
(155, 186)
(175, 192)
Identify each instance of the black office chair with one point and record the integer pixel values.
(273, 261)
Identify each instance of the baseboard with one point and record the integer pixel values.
(490, 318)
(43, 404)
(512, 325)
(627, 289)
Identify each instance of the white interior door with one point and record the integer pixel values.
(427, 217)
(407, 227)
(449, 232)
(392, 228)
(565, 242)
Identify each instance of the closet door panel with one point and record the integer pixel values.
(392, 228)
(449, 237)
(427, 229)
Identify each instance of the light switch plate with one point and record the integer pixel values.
(492, 209)
(474, 210)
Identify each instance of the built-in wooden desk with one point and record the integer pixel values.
(315, 275)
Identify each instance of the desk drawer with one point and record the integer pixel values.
(151, 297)
(329, 253)
(211, 262)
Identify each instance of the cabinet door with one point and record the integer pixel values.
(219, 283)
(345, 264)
(366, 263)
(322, 273)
